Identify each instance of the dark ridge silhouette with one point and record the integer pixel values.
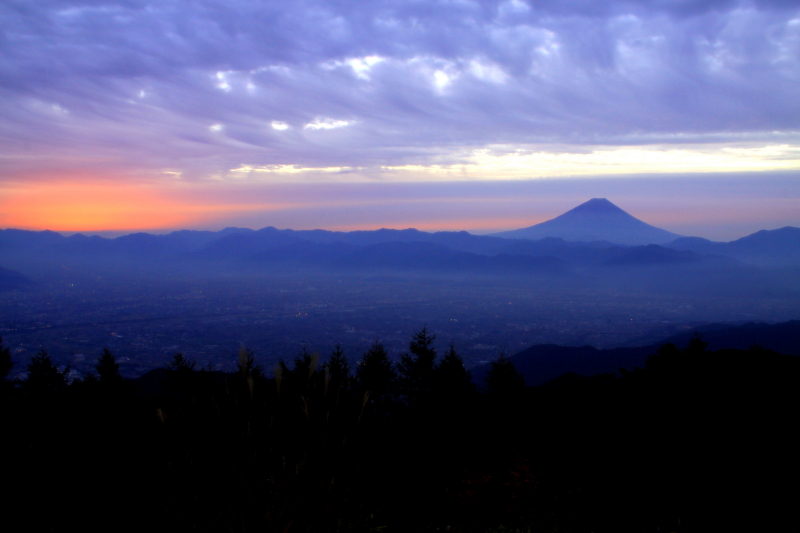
(595, 220)
(544, 362)
(15, 240)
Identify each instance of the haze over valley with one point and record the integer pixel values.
(147, 296)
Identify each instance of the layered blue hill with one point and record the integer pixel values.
(11, 280)
(596, 237)
(765, 247)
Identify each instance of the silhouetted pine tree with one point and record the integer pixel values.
(181, 363)
(453, 382)
(304, 376)
(503, 380)
(415, 369)
(181, 380)
(5, 360)
(43, 376)
(108, 368)
(338, 369)
(696, 346)
(376, 378)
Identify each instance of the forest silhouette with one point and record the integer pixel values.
(697, 440)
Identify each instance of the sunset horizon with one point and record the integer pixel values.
(442, 115)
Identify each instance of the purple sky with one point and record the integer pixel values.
(437, 114)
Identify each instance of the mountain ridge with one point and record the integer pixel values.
(764, 247)
(769, 248)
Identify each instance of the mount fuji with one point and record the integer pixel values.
(595, 220)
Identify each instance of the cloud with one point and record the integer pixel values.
(131, 87)
(325, 123)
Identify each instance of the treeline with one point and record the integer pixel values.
(695, 441)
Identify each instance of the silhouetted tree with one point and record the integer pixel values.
(44, 376)
(415, 369)
(304, 376)
(181, 363)
(181, 375)
(338, 369)
(503, 379)
(376, 377)
(453, 382)
(666, 355)
(5, 360)
(108, 368)
(696, 346)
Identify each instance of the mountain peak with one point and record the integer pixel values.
(595, 220)
(597, 205)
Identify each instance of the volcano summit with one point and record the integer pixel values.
(595, 220)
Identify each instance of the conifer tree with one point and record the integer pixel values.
(181, 377)
(43, 376)
(376, 376)
(665, 357)
(696, 346)
(338, 369)
(181, 363)
(108, 368)
(503, 379)
(304, 376)
(5, 360)
(453, 381)
(416, 367)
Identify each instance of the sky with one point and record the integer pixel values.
(131, 115)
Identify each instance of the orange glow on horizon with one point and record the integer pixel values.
(86, 206)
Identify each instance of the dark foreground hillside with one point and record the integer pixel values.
(696, 441)
(540, 363)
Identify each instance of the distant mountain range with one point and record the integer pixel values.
(595, 220)
(780, 246)
(544, 362)
(596, 236)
